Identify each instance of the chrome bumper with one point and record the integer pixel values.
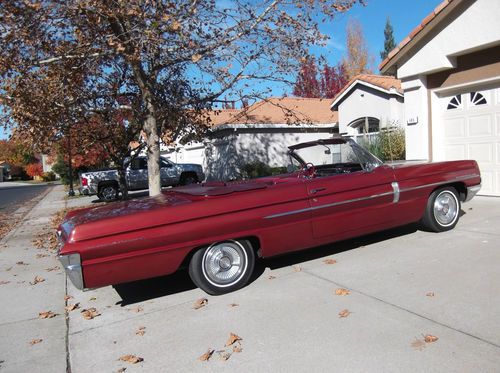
(472, 191)
(73, 267)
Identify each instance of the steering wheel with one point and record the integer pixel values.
(309, 170)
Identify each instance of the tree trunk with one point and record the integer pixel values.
(122, 181)
(153, 151)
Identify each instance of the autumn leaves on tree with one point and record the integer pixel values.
(155, 67)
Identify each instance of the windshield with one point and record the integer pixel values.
(336, 157)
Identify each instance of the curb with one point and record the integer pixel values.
(23, 214)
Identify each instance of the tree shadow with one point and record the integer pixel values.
(140, 291)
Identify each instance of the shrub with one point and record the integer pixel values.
(34, 169)
(392, 144)
(257, 169)
(48, 176)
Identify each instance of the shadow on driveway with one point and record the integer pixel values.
(140, 291)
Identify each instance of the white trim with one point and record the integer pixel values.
(447, 90)
(271, 126)
(369, 85)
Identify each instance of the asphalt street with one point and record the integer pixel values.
(14, 195)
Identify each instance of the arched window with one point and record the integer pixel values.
(455, 102)
(477, 98)
(365, 125)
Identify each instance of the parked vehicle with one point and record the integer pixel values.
(105, 183)
(337, 190)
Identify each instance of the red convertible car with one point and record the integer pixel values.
(335, 190)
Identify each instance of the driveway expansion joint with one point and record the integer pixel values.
(403, 309)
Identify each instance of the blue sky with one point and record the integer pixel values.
(404, 15)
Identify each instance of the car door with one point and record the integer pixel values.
(137, 174)
(168, 173)
(356, 201)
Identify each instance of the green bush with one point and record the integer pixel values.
(257, 169)
(392, 144)
(48, 176)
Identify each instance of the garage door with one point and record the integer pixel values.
(471, 130)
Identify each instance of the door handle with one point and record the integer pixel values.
(314, 191)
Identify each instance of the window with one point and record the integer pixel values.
(477, 98)
(455, 103)
(139, 164)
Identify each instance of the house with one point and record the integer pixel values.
(449, 67)
(367, 103)
(263, 131)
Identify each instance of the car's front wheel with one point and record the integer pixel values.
(442, 210)
(223, 266)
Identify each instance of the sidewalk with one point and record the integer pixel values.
(22, 302)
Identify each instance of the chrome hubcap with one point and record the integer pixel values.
(109, 193)
(446, 208)
(224, 263)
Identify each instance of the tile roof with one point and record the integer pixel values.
(382, 81)
(415, 32)
(279, 110)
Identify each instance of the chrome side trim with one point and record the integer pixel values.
(472, 191)
(326, 206)
(395, 188)
(396, 192)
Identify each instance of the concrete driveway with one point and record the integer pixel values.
(404, 284)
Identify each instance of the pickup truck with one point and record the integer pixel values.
(105, 183)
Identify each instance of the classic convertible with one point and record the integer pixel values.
(335, 190)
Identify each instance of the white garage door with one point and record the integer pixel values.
(471, 129)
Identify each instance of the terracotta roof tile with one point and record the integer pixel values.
(279, 110)
(416, 31)
(383, 81)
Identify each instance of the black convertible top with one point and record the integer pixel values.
(333, 140)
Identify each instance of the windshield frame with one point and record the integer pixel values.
(367, 160)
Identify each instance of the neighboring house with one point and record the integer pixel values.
(263, 131)
(47, 163)
(368, 103)
(449, 67)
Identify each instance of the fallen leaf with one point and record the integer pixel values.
(234, 305)
(297, 268)
(52, 269)
(67, 297)
(4, 282)
(89, 314)
(430, 338)
(39, 256)
(224, 355)
(141, 331)
(21, 263)
(418, 344)
(202, 302)
(8, 269)
(132, 359)
(46, 315)
(121, 370)
(207, 355)
(329, 261)
(430, 294)
(271, 277)
(344, 313)
(92, 298)
(342, 292)
(37, 280)
(35, 341)
(237, 348)
(232, 338)
(136, 309)
(72, 307)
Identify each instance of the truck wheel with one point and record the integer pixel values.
(223, 266)
(442, 210)
(108, 192)
(188, 178)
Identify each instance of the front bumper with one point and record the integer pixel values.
(472, 191)
(73, 266)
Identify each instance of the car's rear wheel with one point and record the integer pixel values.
(108, 192)
(442, 210)
(223, 266)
